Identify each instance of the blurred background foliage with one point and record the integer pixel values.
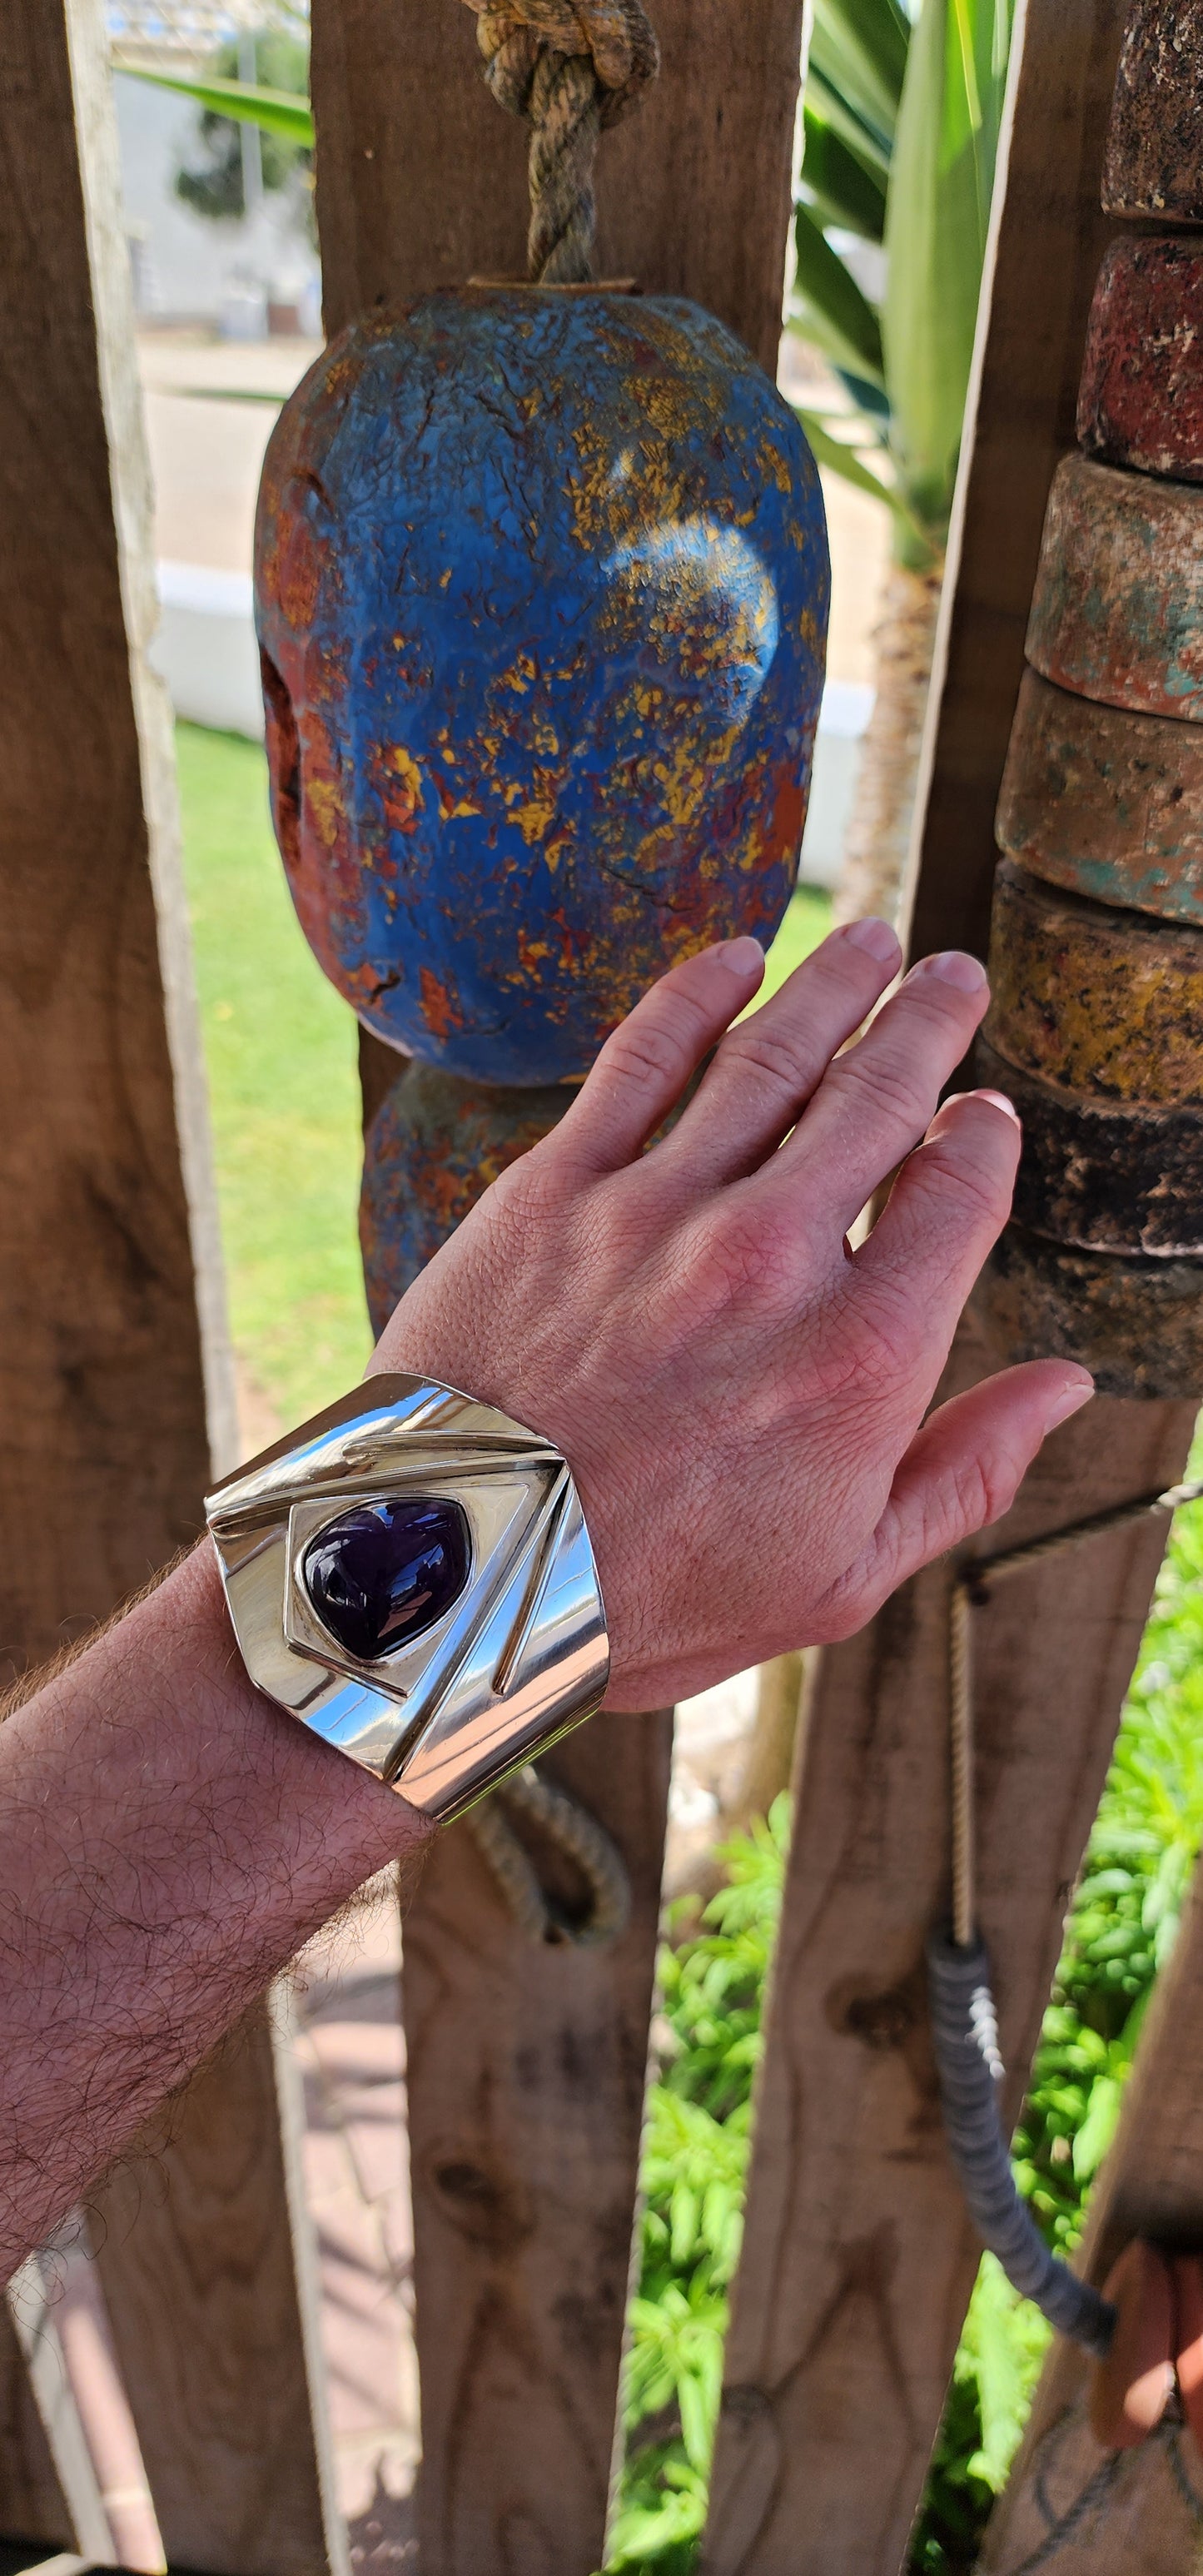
(1120, 1931)
(901, 127)
(213, 181)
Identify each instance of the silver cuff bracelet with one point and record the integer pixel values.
(410, 1574)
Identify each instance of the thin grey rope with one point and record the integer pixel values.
(963, 2016)
(570, 1827)
(965, 2035)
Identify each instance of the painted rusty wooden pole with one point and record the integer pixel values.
(1117, 612)
(1105, 803)
(1096, 1028)
(1154, 160)
(1141, 398)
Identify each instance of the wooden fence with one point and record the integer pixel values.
(527, 2067)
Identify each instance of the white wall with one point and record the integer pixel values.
(185, 263)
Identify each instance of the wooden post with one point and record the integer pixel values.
(43, 2424)
(205, 2239)
(422, 180)
(33, 2493)
(858, 2260)
(110, 1286)
(526, 2065)
(1151, 2185)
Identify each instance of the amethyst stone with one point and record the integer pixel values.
(383, 1573)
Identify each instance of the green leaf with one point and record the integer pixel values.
(828, 100)
(277, 111)
(844, 190)
(843, 459)
(862, 47)
(1098, 2128)
(937, 214)
(1004, 2342)
(831, 308)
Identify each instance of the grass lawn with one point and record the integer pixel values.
(280, 1047)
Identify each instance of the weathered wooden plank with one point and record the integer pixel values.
(102, 1412)
(1023, 405)
(201, 2238)
(526, 2077)
(1152, 2184)
(33, 2489)
(43, 2423)
(109, 1244)
(857, 2260)
(527, 2067)
(421, 179)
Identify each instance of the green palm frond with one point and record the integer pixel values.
(900, 139)
(839, 183)
(834, 312)
(276, 111)
(936, 225)
(861, 46)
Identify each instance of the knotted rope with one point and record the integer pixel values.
(570, 67)
(572, 1831)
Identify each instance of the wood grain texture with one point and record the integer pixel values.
(102, 1412)
(526, 2080)
(110, 1293)
(527, 2066)
(858, 2260)
(1151, 2185)
(44, 2415)
(1021, 420)
(199, 2237)
(32, 2500)
(858, 2257)
(422, 180)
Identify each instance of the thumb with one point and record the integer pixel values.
(964, 1468)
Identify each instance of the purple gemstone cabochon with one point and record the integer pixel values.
(382, 1574)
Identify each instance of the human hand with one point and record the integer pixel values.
(740, 1396)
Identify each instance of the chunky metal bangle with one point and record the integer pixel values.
(410, 1574)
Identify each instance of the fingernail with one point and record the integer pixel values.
(952, 966)
(998, 1100)
(1071, 1400)
(742, 957)
(876, 938)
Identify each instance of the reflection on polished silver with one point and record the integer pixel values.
(513, 1651)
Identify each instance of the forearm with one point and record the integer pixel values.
(168, 1839)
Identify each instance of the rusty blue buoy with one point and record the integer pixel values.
(542, 587)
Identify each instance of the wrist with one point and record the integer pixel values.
(410, 1577)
